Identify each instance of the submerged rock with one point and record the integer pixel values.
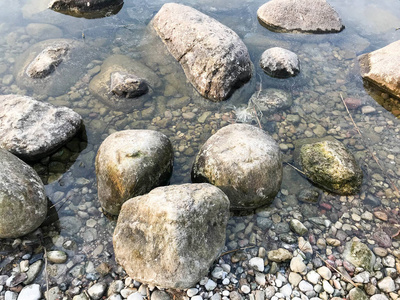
(47, 60)
(280, 63)
(330, 165)
(359, 255)
(32, 129)
(127, 85)
(34, 69)
(23, 203)
(381, 67)
(89, 9)
(112, 93)
(270, 101)
(244, 162)
(213, 57)
(171, 236)
(130, 163)
(311, 16)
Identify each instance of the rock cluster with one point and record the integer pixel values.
(193, 38)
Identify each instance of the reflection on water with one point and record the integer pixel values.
(329, 70)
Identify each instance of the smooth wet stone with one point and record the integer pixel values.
(279, 255)
(300, 16)
(57, 256)
(23, 202)
(51, 67)
(32, 129)
(89, 9)
(305, 286)
(280, 63)
(97, 290)
(298, 227)
(101, 84)
(381, 68)
(359, 255)
(160, 295)
(33, 271)
(297, 265)
(130, 163)
(171, 236)
(387, 285)
(244, 162)
(357, 294)
(330, 165)
(325, 272)
(213, 57)
(271, 101)
(257, 263)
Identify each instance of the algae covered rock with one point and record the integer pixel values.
(23, 203)
(244, 162)
(213, 57)
(359, 255)
(311, 16)
(89, 9)
(330, 165)
(171, 236)
(131, 163)
(381, 68)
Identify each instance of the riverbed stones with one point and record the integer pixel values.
(213, 57)
(112, 94)
(270, 101)
(244, 162)
(130, 163)
(23, 203)
(171, 236)
(359, 255)
(381, 68)
(306, 16)
(330, 165)
(89, 9)
(51, 67)
(279, 62)
(32, 129)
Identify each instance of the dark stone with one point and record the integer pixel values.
(128, 85)
(372, 200)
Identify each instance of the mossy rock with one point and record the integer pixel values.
(359, 255)
(330, 165)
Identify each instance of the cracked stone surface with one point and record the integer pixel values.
(213, 57)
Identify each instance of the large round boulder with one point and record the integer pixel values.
(330, 165)
(23, 203)
(244, 162)
(32, 129)
(130, 163)
(311, 16)
(213, 57)
(171, 236)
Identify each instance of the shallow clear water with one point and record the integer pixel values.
(329, 70)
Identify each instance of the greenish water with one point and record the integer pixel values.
(329, 70)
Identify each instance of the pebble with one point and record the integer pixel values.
(305, 286)
(135, 296)
(324, 272)
(294, 278)
(97, 290)
(160, 295)
(210, 285)
(257, 263)
(30, 292)
(286, 290)
(245, 289)
(57, 257)
(279, 255)
(387, 285)
(367, 109)
(192, 292)
(10, 295)
(327, 287)
(297, 265)
(313, 277)
(379, 251)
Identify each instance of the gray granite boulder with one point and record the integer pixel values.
(359, 255)
(32, 129)
(89, 9)
(106, 90)
(171, 236)
(23, 203)
(244, 162)
(130, 163)
(311, 16)
(381, 68)
(270, 101)
(280, 63)
(51, 67)
(213, 57)
(330, 165)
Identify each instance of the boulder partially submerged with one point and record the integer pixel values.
(330, 165)
(171, 236)
(89, 9)
(32, 129)
(244, 162)
(279, 62)
(213, 57)
(123, 83)
(130, 163)
(23, 202)
(270, 101)
(381, 68)
(309, 16)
